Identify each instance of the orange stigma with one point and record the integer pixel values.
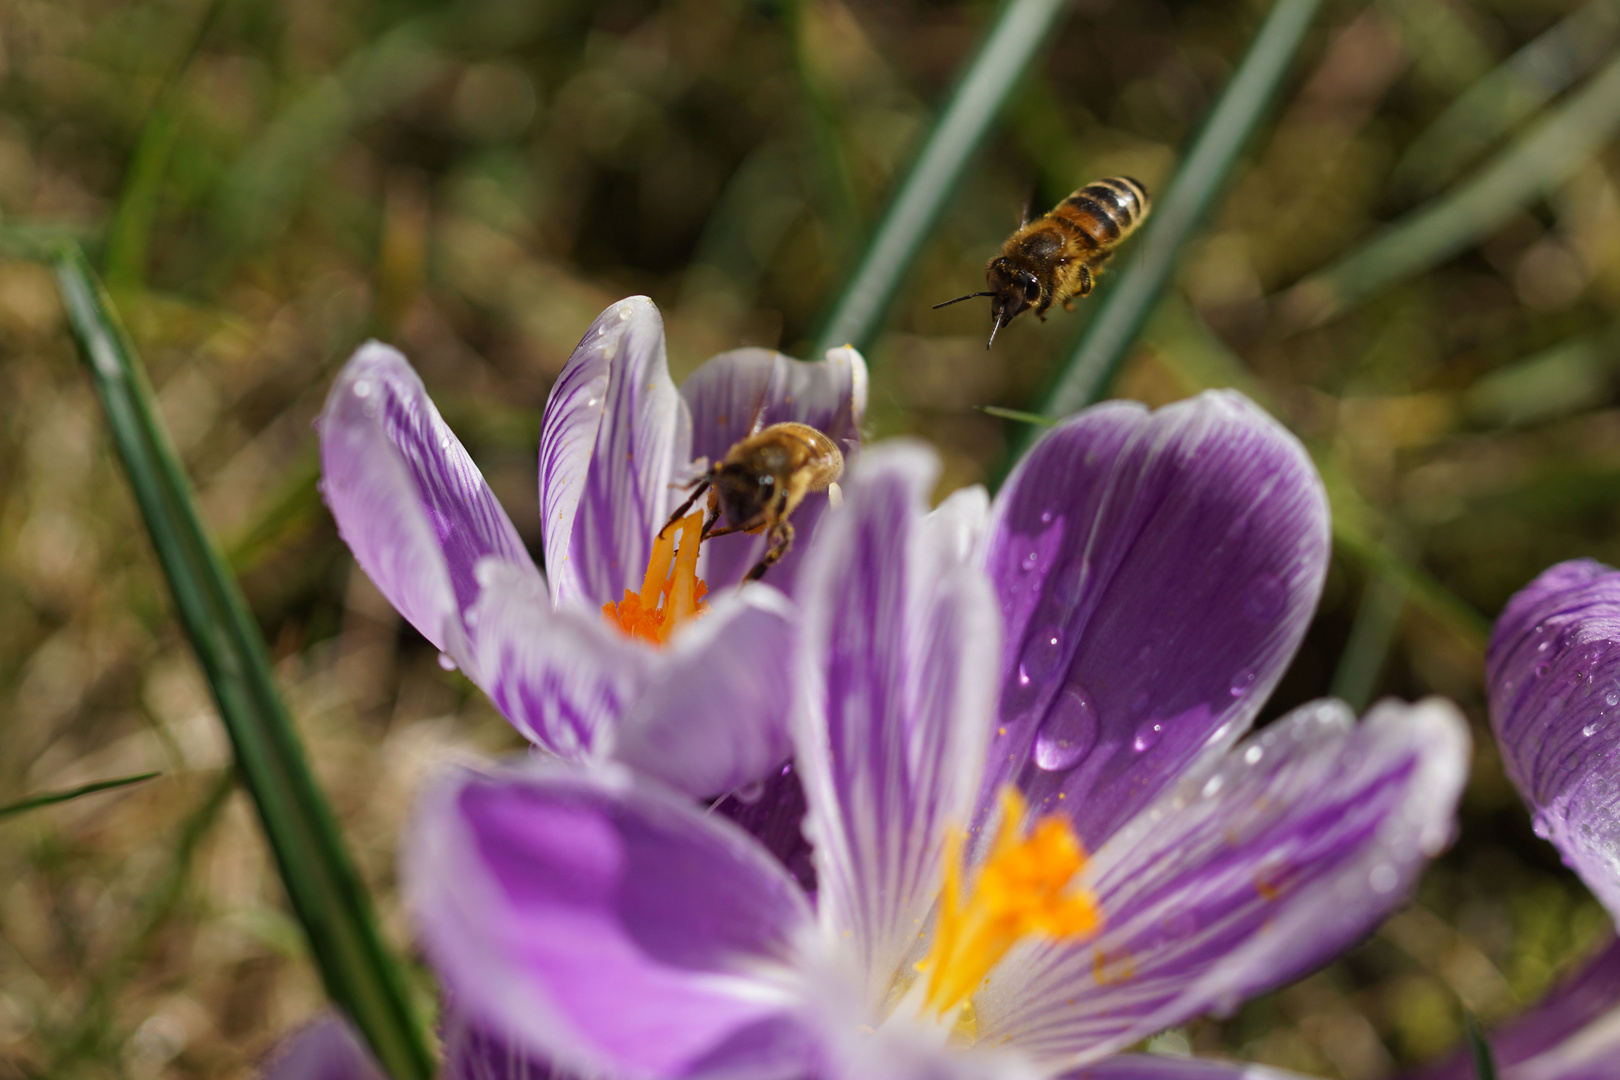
(641, 615)
(1022, 889)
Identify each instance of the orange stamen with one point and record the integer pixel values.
(1022, 889)
(672, 578)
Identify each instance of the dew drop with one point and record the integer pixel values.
(446, 663)
(1264, 600)
(362, 388)
(1592, 729)
(1539, 825)
(1543, 646)
(1612, 698)
(1030, 561)
(1069, 731)
(749, 794)
(1541, 670)
(1040, 660)
(1023, 675)
(1383, 878)
(1212, 786)
(1046, 517)
(1241, 683)
(1148, 736)
(1252, 755)
(444, 442)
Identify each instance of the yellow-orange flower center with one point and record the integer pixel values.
(671, 592)
(1025, 887)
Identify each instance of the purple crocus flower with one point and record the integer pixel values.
(1037, 838)
(707, 711)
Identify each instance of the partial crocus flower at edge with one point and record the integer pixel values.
(706, 711)
(607, 925)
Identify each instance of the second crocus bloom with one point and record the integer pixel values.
(700, 702)
(1037, 836)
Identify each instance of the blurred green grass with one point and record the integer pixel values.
(265, 185)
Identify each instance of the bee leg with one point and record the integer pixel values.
(1086, 282)
(681, 510)
(781, 543)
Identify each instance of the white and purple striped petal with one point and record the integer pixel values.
(735, 394)
(1245, 875)
(898, 644)
(1554, 674)
(608, 926)
(615, 432)
(408, 500)
(1156, 572)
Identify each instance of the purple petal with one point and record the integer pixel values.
(1160, 1067)
(615, 431)
(325, 1049)
(1244, 876)
(408, 500)
(707, 713)
(714, 714)
(899, 641)
(1156, 572)
(565, 679)
(773, 813)
(606, 925)
(736, 393)
(473, 1053)
(1554, 675)
(1572, 1034)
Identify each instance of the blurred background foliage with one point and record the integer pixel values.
(1416, 266)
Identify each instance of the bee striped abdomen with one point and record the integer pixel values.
(1104, 212)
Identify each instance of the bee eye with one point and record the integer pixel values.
(1032, 291)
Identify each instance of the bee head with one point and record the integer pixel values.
(745, 493)
(1013, 291)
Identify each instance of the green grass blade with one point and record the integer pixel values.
(1355, 679)
(1018, 415)
(1479, 1049)
(1505, 98)
(1535, 163)
(326, 893)
(52, 797)
(1189, 197)
(989, 79)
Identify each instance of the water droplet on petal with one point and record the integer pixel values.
(1069, 731)
(1241, 683)
(1264, 600)
(1383, 878)
(1592, 729)
(1030, 561)
(362, 388)
(1539, 825)
(1046, 517)
(446, 663)
(1212, 786)
(1023, 676)
(749, 794)
(1541, 670)
(1148, 736)
(1045, 651)
(1252, 755)
(1612, 698)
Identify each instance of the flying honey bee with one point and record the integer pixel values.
(1057, 257)
(762, 480)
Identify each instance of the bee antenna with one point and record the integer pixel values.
(959, 299)
(993, 330)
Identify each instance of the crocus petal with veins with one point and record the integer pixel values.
(607, 926)
(1163, 1067)
(1242, 877)
(1554, 675)
(896, 708)
(408, 500)
(1156, 573)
